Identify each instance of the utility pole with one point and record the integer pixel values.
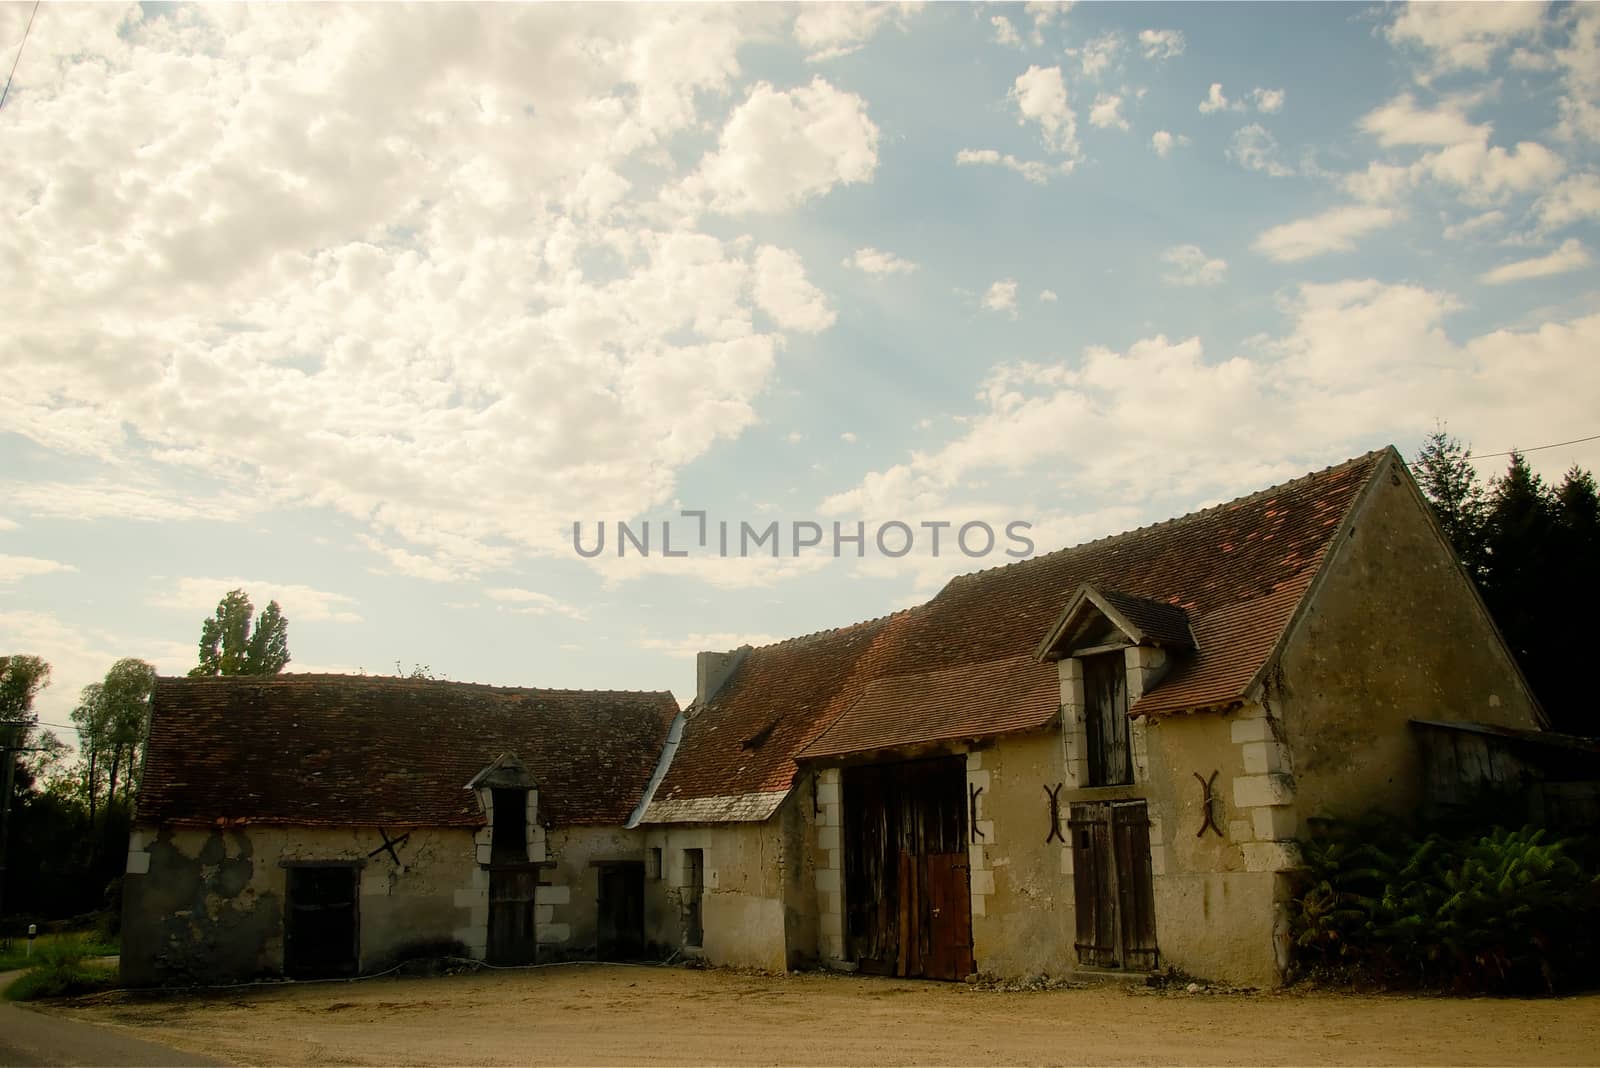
(12, 732)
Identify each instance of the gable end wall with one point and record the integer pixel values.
(1393, 631)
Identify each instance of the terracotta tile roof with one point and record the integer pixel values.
(1237, 571)
(966, 701)
(352, 750)
(1165, 624)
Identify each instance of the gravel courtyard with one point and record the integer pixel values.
(610, 1014)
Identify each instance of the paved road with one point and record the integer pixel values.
(29, 1038)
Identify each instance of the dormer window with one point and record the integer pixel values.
(1105, 692)
(1100, 638)
(508, 795)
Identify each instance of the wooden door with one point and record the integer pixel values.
(1105, 687)
(907, 877)
(1113, 885)
(322, 926)
(512, 936)
(620, 931)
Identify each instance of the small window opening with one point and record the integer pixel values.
(510, 842)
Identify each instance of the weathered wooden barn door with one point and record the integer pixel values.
(1113, 886)
(620, 932)
(908, 891)
(322, 929)
(512, 937)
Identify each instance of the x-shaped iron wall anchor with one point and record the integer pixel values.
(972, 808)
(1206, 802)
(389, 844)
(1055, 814)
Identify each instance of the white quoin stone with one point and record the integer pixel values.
(1263, 757)
(1255, 791)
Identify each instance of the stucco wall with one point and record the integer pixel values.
(208, 905)
(1394, 633)
(1022, 917)
(1218, 903)
(742, 904)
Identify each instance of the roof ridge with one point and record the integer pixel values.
(1278, 487)
(398, 680)
(842, 627)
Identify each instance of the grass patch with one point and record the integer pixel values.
(63, 967)
(14, 951)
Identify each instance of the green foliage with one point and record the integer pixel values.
(1534, 551)
(1444, 471)
(62, 968)
(228, 645)
(1508, 911)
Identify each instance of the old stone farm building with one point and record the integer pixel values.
(1097, 758)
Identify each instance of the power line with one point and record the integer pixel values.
(18, 59)
(1538, 448)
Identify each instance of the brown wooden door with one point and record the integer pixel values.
(620, 928)
(907, 880)
(512, 937)
(948, 916)
(1113, 886)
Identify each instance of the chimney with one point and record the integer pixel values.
(711, 670)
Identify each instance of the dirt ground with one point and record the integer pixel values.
(613, 1014)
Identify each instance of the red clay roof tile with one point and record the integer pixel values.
(1237, 570)
(358, 750)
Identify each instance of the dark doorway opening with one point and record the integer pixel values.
(694, 884)
(1113, 886)
(908, 892)
(321, 921)
(620, 930)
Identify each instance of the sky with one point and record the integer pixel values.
(363, 308)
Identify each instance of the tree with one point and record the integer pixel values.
(228, 646)
(112, 719)
(1443, 469)
(21, 679)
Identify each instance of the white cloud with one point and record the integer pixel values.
(1571, 256)
(783, 292)
(1380, 183)
(1215, 100)
(199, 598)
(1402, 122)
(7, 524)
(1334, 230)
(1361, 363)
(1048, 296)
(1574, 199)
(1192, 267)
(1033, 170)
(873, 261)
(1107, 112)
(1099, 54)
(1041, 97)
(781, 149)
(1464, 35)
(1474, 226)
(1044, 14)
(833, 30)
(1161, 44)
(1255, 149)
(688, 646)
(1163, 141)
(14, 569)
(1004, 32)
(1485, 172)
(1002, 297)
(1579, 61)
(1269, 101)
(532, 602)
(849, 437)
(499, 282)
